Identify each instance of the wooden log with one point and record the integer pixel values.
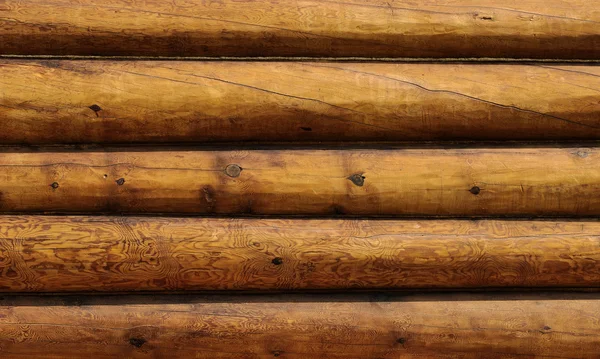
(365, 182)
(49, 102)
(302, 327)
(379, 28)
(110, 254)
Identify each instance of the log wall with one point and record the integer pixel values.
(129, 107)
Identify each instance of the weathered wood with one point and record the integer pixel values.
(302, 327)
(68, 254)
(377, 28)
(440, 182)
(47, 102)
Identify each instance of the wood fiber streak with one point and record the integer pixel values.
(58, 102)
(362, 182)
(68, 254)
(302, 327)
(377, 28)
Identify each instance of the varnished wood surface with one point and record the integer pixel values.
(362, 182)
(377, 28)
(52, 102)
(303, 327)
(68, 254)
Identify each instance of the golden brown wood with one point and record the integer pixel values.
(47, 102)
(67, 254)
(376, 28)
(439, 182)
(303, 327)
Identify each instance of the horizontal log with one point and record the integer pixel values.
(379, 28)
(365, 182)
(69, 254)
(302, 327)
(50, 102)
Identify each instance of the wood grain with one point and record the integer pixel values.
(303, 327)
(362, 182)
(51, 102)
(110, 254)
(555, 29)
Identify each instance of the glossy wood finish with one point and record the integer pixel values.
(432, 182)
(49, 102)
(68, 254)
(377, 28)
(302, 327)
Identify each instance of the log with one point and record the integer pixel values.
(475, 182)
(552, 29)
(113, 254)
(68, 102)
(495, 326)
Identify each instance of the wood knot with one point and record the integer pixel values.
(208, 194)
(308, 129)
(96, 109)
(233, 170)
(120, 181)
(277, 261)
(137, 342)
(483, 17)
(401, 341)
(276, 353)
(475, 190)
(54, 185)
(358, 179)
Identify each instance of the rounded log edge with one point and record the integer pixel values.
(541, 325)
(546, 29)
(54, 254)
